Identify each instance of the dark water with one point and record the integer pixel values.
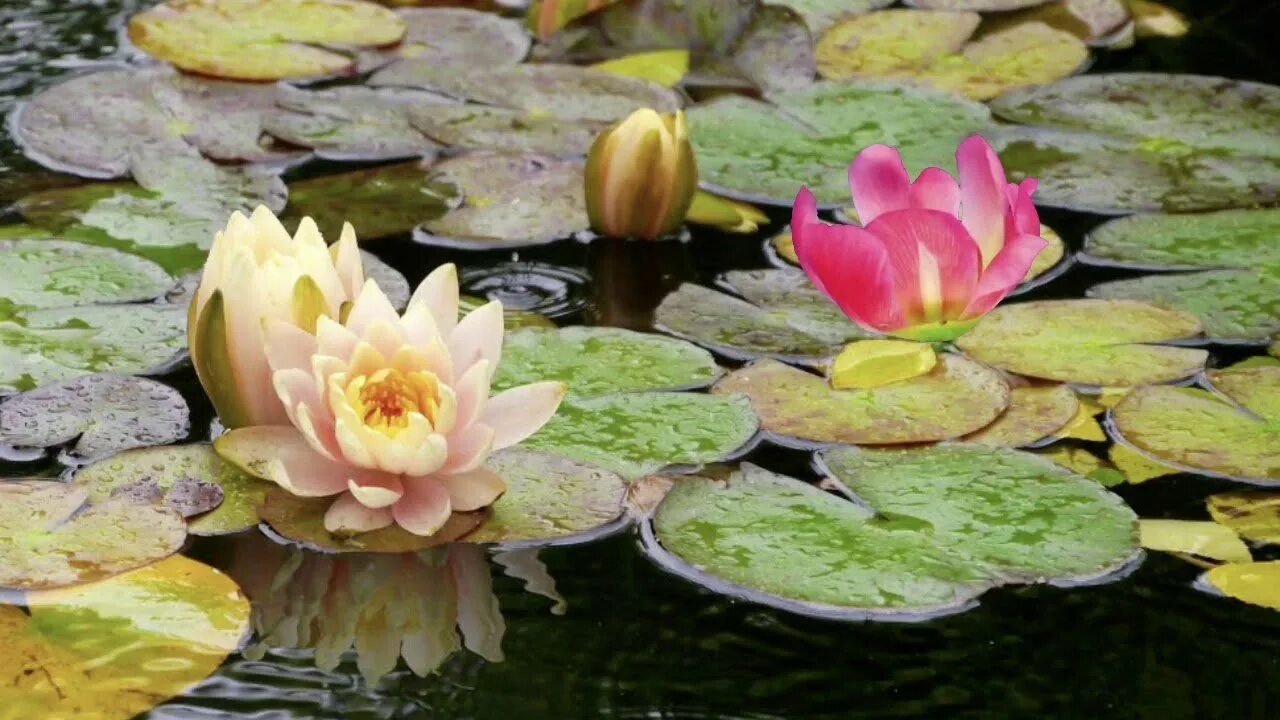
(637, 643)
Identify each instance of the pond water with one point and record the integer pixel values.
(637, 642)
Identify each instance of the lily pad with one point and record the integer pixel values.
(222, 119)
(165, 466)
(507, 201)
(353, 122)
(563, 91)
(1100, 23)
(976, 5)
(378, 202)
(1230, 434)
(1254, 515)
(596, 361)
(1255, 583)
(394, 285)
(44, 346)
(1198, 241)
(1233, 305)
(1142, 141)
(1035, 412)
(798, 408)
(940, 526)
(1204, 539)
(820, 14)
(45, 542)
(1087, 342)
(783, 316)
(302, 521)
(480, 127)
(764, 152)
(262, 39)
(462, 37)
(550, 500)
(102, 414)
(52, 273)
(115, 649)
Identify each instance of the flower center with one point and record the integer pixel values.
(388, 398)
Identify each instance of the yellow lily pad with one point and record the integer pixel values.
(263, 39)
(1254, 515)
(1256, 583)
(1136, 467)
(665, 67)
(724, 214)
(1084, 426)
(870, 364)
(1205, 539)
(1034, 413)
(1152, 19)
(114, 649)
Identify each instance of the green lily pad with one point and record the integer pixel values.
(783, 316)
(550, 499)
(941, 526)
(798, 408)
(563, 91)
(302, 521)
(44, 346)
(1035, 412)
(53, 273)
(1087, 342)
(45, 542)
(480, 127)
(764, 152)
(1223, 239)
(378, 202)
(262, 39)
(102, 414)
(353, 122)
(639, 433)
(507, 201)
(1142, 141)
(1233, 434)
(601, 360)
(1233, 305)
(165, 466)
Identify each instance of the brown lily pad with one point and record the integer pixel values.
(1034, 413)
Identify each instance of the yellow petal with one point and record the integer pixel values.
(1206, 539)
(725, 214)
(873, 363)
(664, 67)
(1257, 583)
(1137, 468)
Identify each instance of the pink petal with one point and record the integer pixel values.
(296, 467)
(468, 448)
(984, 206)
(425, 507)
(935, 189)
(374, 489)
(849, 265)
(288, 346)
(439, 293)
(879, 182)
(346, 515)
(478, 337)
(472, 390)
(372, 305)
(294, 387)
(347, 262)
(1026, 220)
(479, 614)
(334, 340)
(935, 263)
(474, 489)
(519, 412)
(1004, 273)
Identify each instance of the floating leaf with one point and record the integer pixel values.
(976, 5)
(462, 37)
(796, 407)
(353, 122)
(547, 16)
(1254, 515)
(220, 118)
(1035, 412)
(1256, 583)
(507, 201)
(1087, 342)
(302, 521)
(775, 50)
(504, 130)
(664, 67)
(1198, 241)
(1101, 23)
(724, 214)
(1206, 539)
(165, 466)
(867, 364)
(1136, 467)
(600, 360)
(115, 649)
(764, 152)
(549, 499)
(820, 14)
(187, 496)
(944, 525)
(53, 273)
(378, 202)
(1233, 305)
(262, 39)
(102, 414)
(45, 542)
(1151, 19)
(1198, 430)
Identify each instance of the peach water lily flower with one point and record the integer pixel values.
(932, 256)
(392, 414)
(256, 273)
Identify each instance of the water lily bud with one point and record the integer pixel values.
(641, 177)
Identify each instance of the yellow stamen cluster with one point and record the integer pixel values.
(387, 398)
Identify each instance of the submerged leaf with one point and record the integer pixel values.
(378, 202)
(1257, 583)
(1206, 539)
(1254, 515)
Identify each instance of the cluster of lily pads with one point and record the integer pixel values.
(935, 488)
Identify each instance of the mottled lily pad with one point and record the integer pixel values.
(1254, 515)
(262, 39)
(549, 500)
(1230, 434)
(939, 527)
(1233, 305)
(462, 37)
(165, 466)
(600, 360)
(353, 122)
(1100, 23)
(45, 542)
(976, 5)
(507, 201)
(302, 521)
(43, 346)
(378, 202)
(1035, 412)
(1195, 241)
(956, 397)
(52, 273)
(222, 119)
(481, 127)
(764, 152)
(1142, 141)
(1087, 342)
(114, 649)
(101, 413)
(820, 14)
(783, 316)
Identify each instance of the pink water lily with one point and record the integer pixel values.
(392, 414)
(932, 256)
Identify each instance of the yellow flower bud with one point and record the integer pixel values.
(641, 177)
